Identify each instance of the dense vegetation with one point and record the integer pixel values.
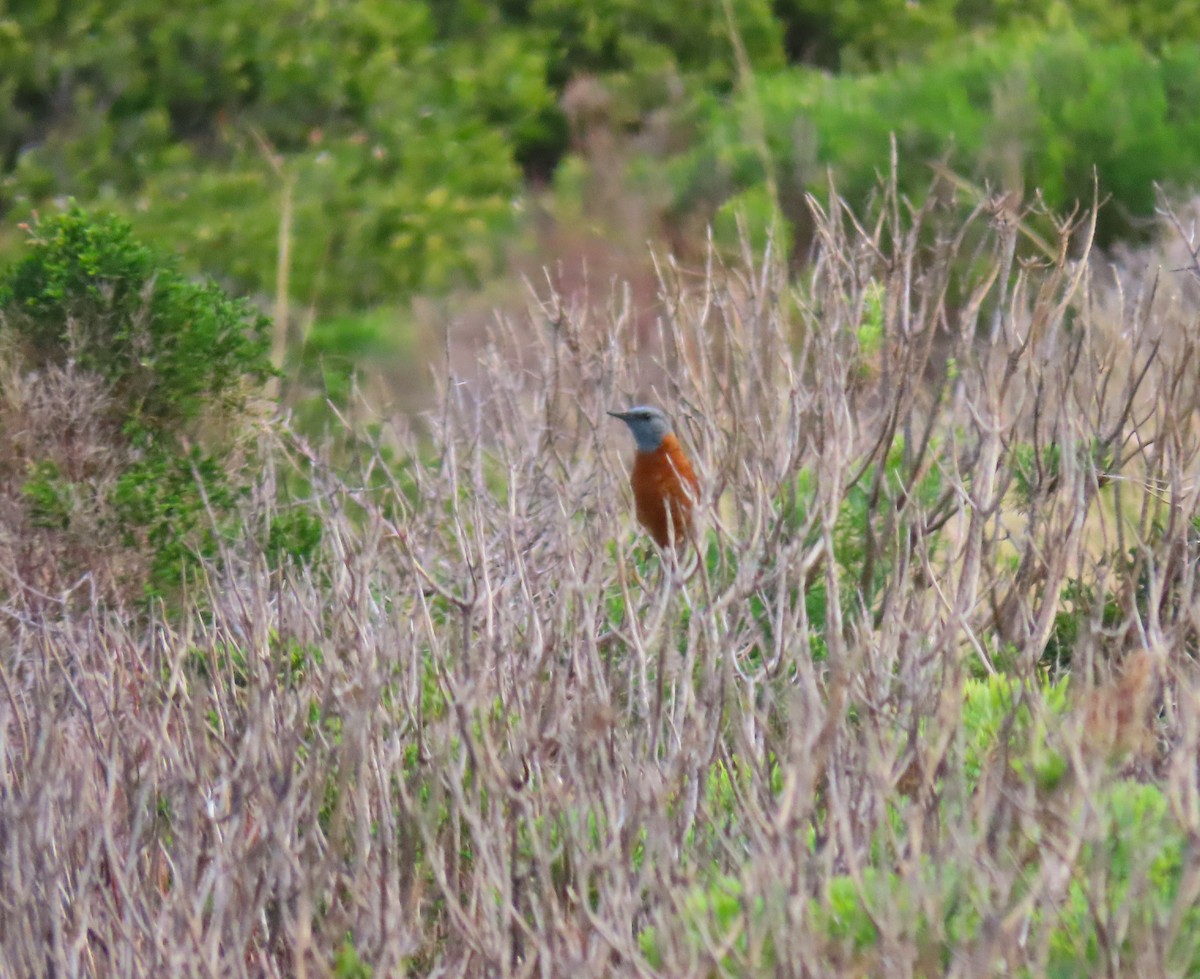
(1044, 113)
(921, 698)
(126, 387)
(418, 698)
(397, 145)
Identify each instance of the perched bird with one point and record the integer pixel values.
(664, 484)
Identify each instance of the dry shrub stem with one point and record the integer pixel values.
(491, 731)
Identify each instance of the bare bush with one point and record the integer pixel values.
(922, 701)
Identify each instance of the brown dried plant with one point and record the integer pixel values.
(924, 701)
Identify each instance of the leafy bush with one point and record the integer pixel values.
(1001, 716)
(50, 496)
(1035, 113)
(1133, 847)
(395, 133)
(649, 43)
(177, 362)
(294, 535)
(399, 145)
(872, 34)
(165, 507)
(1076, 936)
(170, 348)
(503, 734)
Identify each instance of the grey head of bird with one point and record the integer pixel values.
(649, 425)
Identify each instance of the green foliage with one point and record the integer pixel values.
(331, 358)
(421, 202)
(846, 918)
(294, 536)
(1036, 112)
(862, 551)
(395, 133)
(221, 663)
(179, 359)
(348, 965)
(870, 34)
(1078, 603)
(872, 330)
(399, 145)
(863, 34)
(1136, 869)
(1033, 473)
(396, 130)
(50, 496)
(751, 217)
(716, 910)
(1135, 858)
(172, 508)
(170, 348)
(175, 507)
(642, 46)
(298, 661)
(1001, 714)
(859, 546)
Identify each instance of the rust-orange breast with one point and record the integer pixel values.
(664, 479)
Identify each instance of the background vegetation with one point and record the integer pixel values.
(337, 161)
(415, 696)
(920, 697)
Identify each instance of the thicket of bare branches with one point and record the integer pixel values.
(922, 701)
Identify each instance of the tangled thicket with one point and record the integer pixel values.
(924, 699)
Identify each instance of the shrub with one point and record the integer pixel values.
(650, 42)
(501, 734)
(169, 363)
(1036, 114)
(878, 33)
(400, 144)
(170, 348)
(171, 507)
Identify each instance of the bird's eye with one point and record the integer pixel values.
(645, 416)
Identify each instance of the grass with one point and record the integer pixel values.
(924, 703)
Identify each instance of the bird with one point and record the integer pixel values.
(665, 487)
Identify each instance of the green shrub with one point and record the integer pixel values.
(998, 716)
(649, 42)
(870, 34)
(347, 964)
(169, 347)
(294, 535)
(178, 361)
(400, 143)
(1037, 113)
(172, 507)
(50, 497)
(1133, 859)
